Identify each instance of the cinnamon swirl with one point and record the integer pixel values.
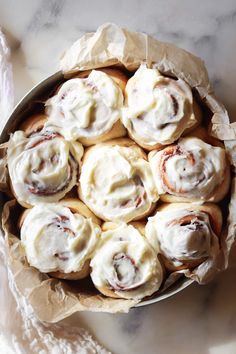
(191, 170)
(125, 265)
(185, 234)
(43, 167)
(158, 109)
(59, 239)
(88, 109)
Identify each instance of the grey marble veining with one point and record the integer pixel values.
(45, 29)
(201, 319)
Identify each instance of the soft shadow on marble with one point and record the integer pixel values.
(201, 319)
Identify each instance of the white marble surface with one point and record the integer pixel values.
(201, 319)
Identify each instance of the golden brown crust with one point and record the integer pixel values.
(202, 133)
(117, 131)
(198, 132)
(186, 265)
(33, 124)
(140, 226)
(76, 206)
(152, 153)
(25, 205)
(83, 273)
(148, 212)
(108, 292)
(117, 75)
(211, 209)
(125, 142)
(143, 145)
(110, 225)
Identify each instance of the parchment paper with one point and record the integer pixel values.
(20, 330)
(53, 299)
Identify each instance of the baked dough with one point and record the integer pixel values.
(43, 167)
(158, 109)
(116, 181)
(89, 109)
(191, 170)
(125, 265)
(185, 234)
(59, 239)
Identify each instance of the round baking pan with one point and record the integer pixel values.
(33, 101)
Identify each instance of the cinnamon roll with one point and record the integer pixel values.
(59, 239)
(116, 181)
(43, 167)
(191, 170)
(185, 234)
(125, 265)
(89, 109)
(158, 109)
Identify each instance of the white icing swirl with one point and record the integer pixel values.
(191, 169)
(54, 239)
(43, 167)
(126, 264)
(116, 183)
(158, 109)
(181, 235)
(85, 108)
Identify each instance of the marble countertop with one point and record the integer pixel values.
(200, 319)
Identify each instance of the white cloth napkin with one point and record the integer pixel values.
(6, 82)
(20, 331)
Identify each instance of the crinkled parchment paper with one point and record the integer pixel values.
(20, 330)
(53, 299)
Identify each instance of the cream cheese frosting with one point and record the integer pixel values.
(182, 235)
(43, 167)
(157, 109)
(55, 239)
(126, 264)
(116, 183)
(85, 108)
(191, 169)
